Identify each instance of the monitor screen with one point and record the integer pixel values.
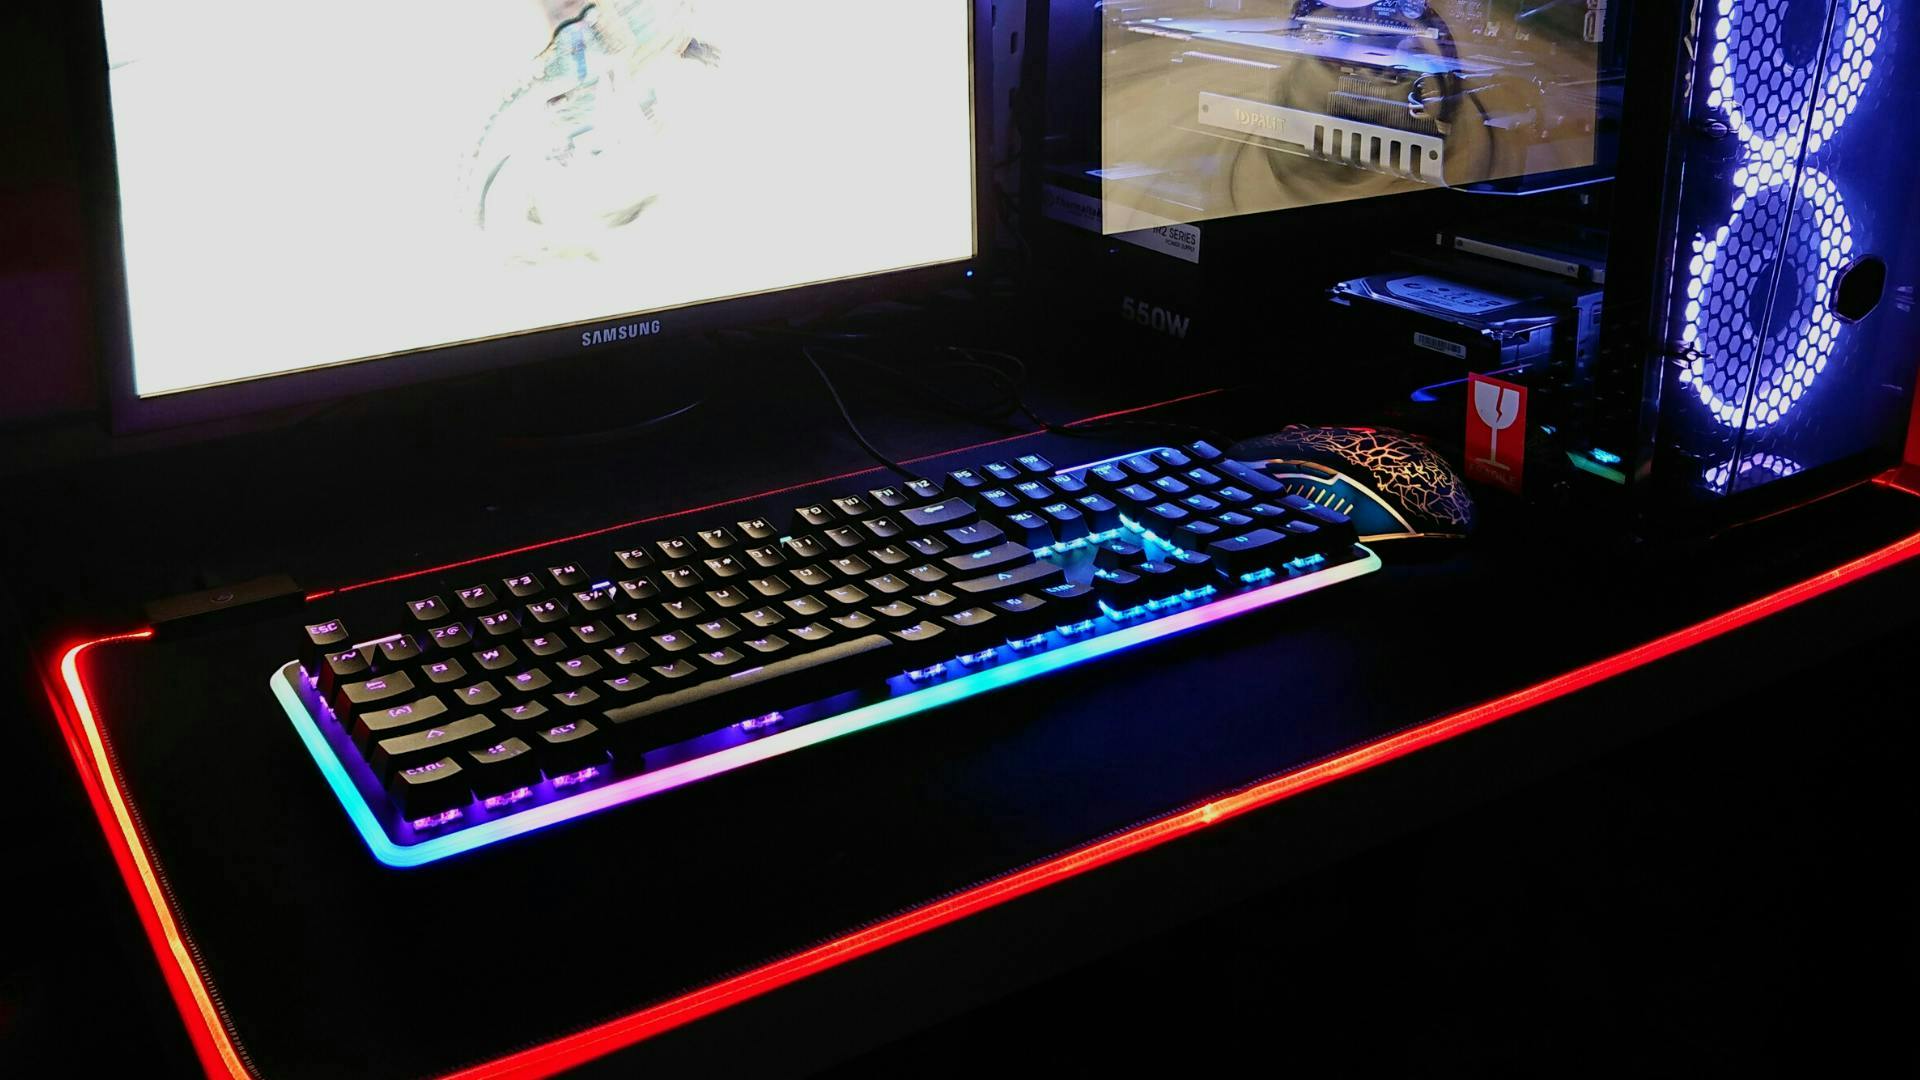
(304, 185)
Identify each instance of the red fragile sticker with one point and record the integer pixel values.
(1496, 432)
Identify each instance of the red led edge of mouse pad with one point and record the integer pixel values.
(220, 1056)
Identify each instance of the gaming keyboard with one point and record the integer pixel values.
(506, 696)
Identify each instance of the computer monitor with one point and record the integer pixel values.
(304, 201)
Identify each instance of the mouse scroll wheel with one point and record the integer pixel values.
(1299, 468)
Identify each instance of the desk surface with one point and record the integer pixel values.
(529, 941)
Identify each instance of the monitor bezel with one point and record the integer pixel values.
(127, 412)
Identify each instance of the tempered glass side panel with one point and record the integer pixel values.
(1176, 192)
(1793, 298)
(1213, 108)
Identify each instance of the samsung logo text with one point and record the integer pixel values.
(623, 332)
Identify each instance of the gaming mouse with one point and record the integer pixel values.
(1391, 485)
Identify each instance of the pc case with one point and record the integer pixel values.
(1740, 308)
(1793, 339)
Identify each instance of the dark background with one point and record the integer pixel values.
(1730, 897)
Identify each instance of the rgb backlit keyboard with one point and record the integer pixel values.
(490, 706)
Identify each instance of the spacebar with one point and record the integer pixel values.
(782, 683)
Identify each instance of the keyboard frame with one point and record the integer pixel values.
(397, 844)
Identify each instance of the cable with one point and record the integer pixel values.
(604, 437)
(858, 436)
(1086, 428)
(1008, 383)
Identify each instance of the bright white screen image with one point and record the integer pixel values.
(313, 182)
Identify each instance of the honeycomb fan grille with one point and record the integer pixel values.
(1757, 328)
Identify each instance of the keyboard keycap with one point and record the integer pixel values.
(768, 646)
(343, 666)
(545, 644)
(625, 655)
(1023, 614)
(945, 514)
(1069, 602)
(577, 697)
(350, 697)
(634, 558)
(842, 537)
(522, 713)
(804, 547)
(546, 611)
(810, 518)
(812, 633)
(568, 749)
(639, 589)
(926, 546)
(728, 598)
(891, 555)
(592, 633)
(999, 499)
(973, 618)
(322, 638)
(639, 622)
(1120, 589)
(1247, 476)
(596, 599)
(783, 683)
(1067, 523)
(1036, 491)
(475, 597)
(429, 788)
(495, 658)
(1001, 556)
(477, 695)
(1033, 575)
(502, 768)
(399, 752)
(1102, 513)
(625, 684)
(853, 506)
(811, 577)
(1260, 549)
(980, 534)
(430, 609)
(372, 725)
(1028, 528)
(924, 642)
(723, 659)
(857, 621)
(674, 549)
(1335, 527)
(1116, 553)
(757, 529)
(529, 680)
